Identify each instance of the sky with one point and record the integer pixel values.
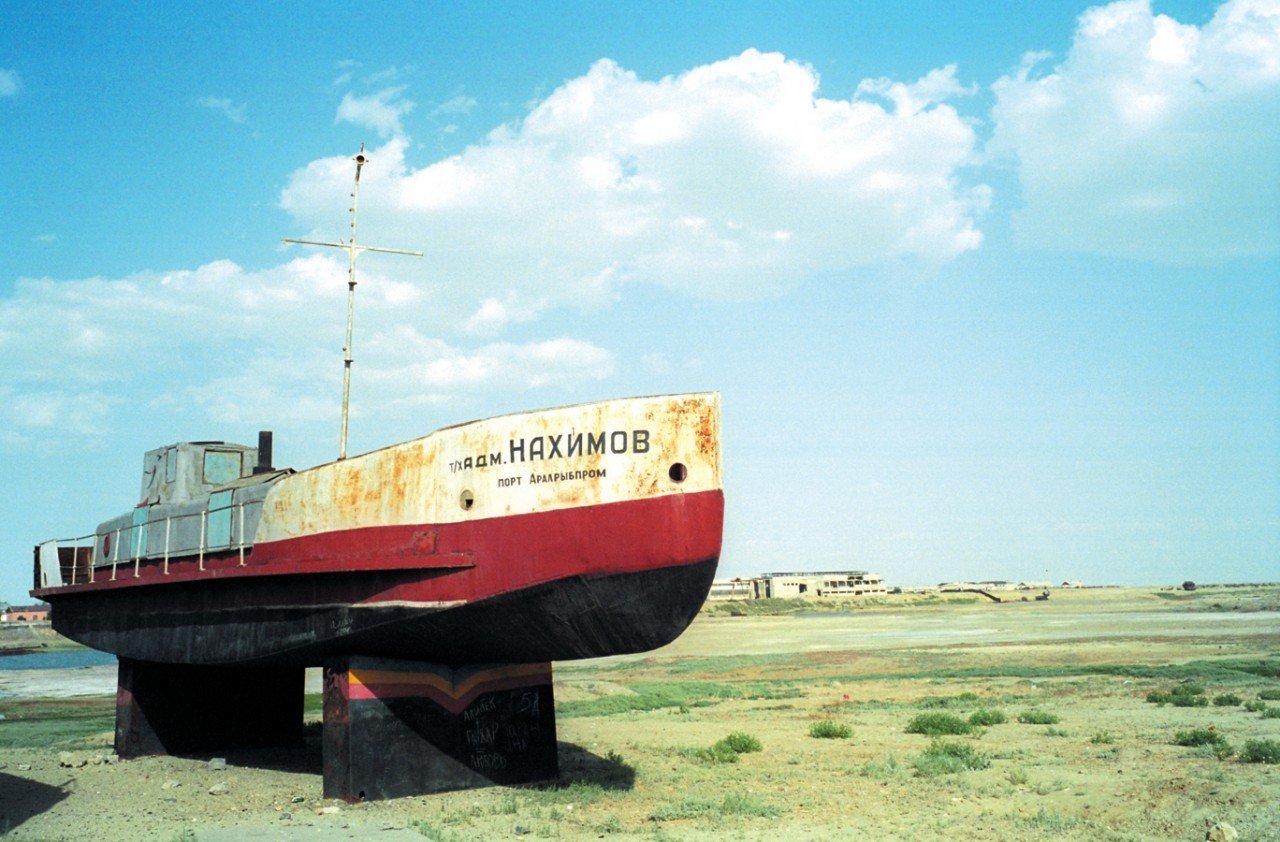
(990, 291)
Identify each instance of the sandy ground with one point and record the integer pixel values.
(1106, 770)
(57, 684)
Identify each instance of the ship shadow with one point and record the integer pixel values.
(581, 767)
(305, 757)
(578, 766)
(21, 799)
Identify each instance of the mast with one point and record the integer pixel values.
(352, 248)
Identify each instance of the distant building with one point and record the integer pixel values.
(722, 589)
(824, 584)
(25, 614)
(828, 584)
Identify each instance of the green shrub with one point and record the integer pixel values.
(741, 743)
(1214, 741)
(829, 729)
(1271, 713)
(1269, 695)
(937, 724)
(946, 758)
(985, 717)
(1226, 700)
(1182, 695)
(1255, 706)
(1102, 738)
(1197, 737)
(1261, 751)
(726, 750)
(718, 753)
(1189, 701)
(1035, 716)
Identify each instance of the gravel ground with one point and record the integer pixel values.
(257, 795)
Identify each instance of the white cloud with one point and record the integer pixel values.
(598, 184)
(935, 86)
(458, 105)
(387, 74)
(425, 367)
(10, 82)
(493, 315)
(380, 111)
(233, 112)
(1151, 139)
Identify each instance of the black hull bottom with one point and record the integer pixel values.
(254, 623)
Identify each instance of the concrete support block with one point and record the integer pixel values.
(185, 709)
(396, 728)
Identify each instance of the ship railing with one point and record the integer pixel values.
(73, 556)
(76, 556)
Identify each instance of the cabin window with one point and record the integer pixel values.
(171, 464)
(221, 466)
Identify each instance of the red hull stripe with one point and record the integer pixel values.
(504, 554)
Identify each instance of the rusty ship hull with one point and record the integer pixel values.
(565, 533)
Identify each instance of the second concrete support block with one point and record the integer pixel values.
(396, 728)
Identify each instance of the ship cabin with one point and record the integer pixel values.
(190, 470)
(197, 498)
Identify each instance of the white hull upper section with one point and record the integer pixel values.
(590, 454)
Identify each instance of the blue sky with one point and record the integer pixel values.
(990, 291)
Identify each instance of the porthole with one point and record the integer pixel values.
(467, 500)
(678, 472)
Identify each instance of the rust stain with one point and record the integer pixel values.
(423, 543)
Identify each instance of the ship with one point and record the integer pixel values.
(557, 534)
